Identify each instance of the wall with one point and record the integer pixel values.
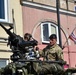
(32, 18)
(5, 51)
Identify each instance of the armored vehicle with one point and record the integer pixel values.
(23, 57)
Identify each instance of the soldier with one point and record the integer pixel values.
(27, 36)
(32, 54)
(52, 52)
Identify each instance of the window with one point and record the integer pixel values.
(3, 10)
(47, 29)
(3, 63)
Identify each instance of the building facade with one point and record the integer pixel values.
(40, 19)
(10, 15)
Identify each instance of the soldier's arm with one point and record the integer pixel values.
(42, 54)
(60, 54)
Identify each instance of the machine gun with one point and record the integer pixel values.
(18, 44)
(22, 50)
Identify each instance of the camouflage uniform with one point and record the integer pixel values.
(51, 53)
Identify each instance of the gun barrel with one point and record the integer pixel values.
(59, 62)
(7, 31)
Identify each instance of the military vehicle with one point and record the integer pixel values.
(23, 56)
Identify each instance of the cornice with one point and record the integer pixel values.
(46, 7)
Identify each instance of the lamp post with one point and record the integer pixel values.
(58, 21)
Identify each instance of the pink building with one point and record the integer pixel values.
(41, 20)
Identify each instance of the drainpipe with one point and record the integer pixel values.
(58, 21)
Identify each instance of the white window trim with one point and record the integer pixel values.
(49, 23)
(57, 32)
(42, 33)
(6, 12)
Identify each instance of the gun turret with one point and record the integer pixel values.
(17, 44)
(13, 38)
(16, 40)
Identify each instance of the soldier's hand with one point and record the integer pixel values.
(41, 58)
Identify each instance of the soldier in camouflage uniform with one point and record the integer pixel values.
(52, 52)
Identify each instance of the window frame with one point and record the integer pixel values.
(6, 11)
(49, 32)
